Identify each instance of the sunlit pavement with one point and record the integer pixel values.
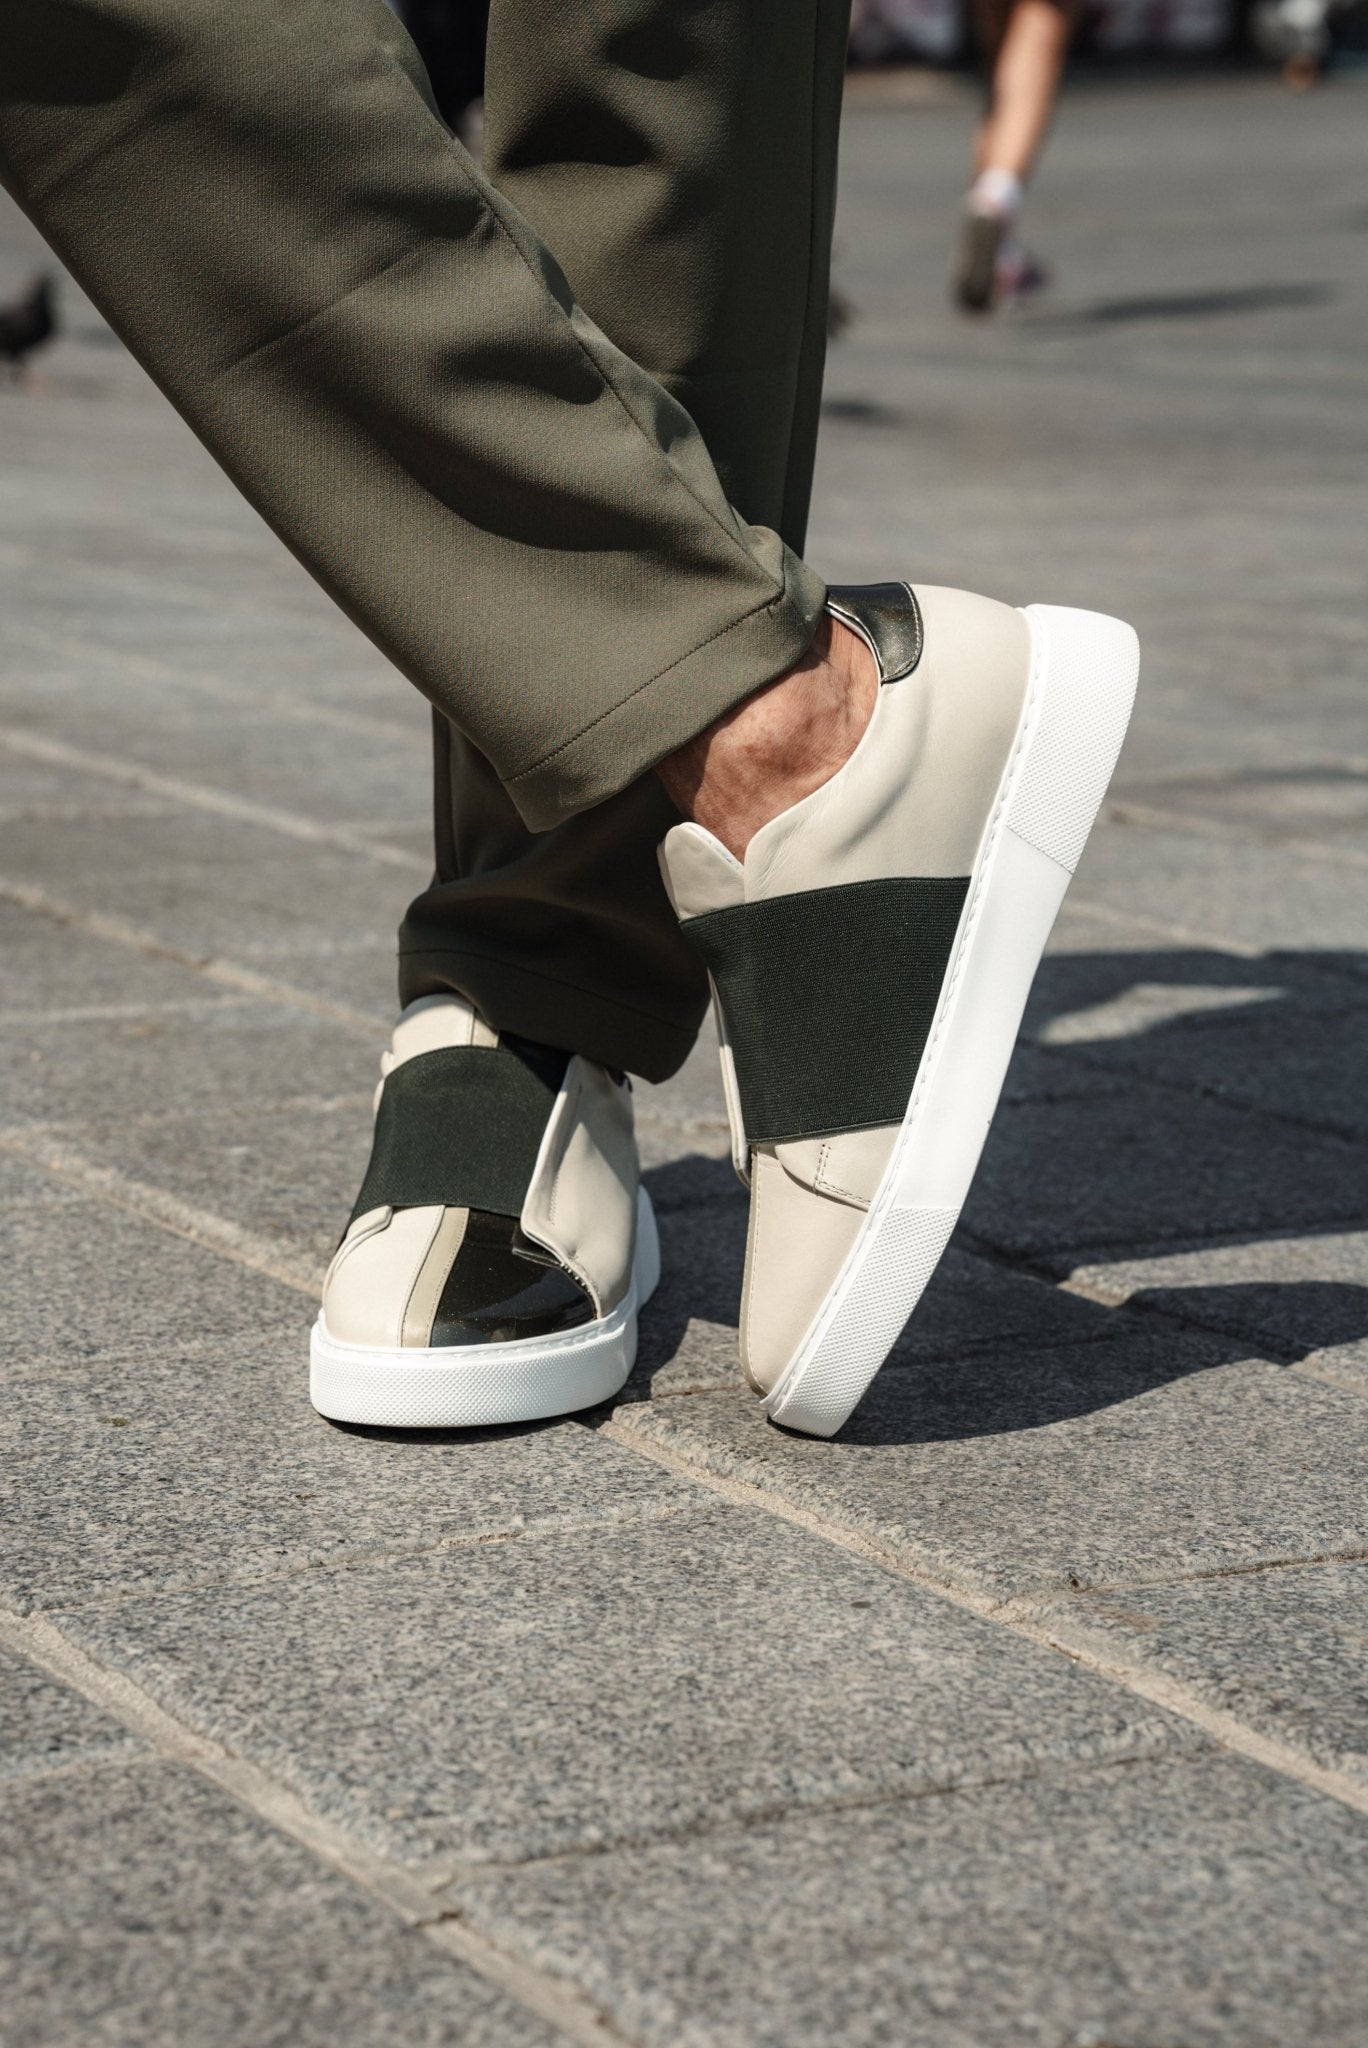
(1030, 1710)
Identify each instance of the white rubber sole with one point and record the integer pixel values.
(464, 1386)
(1084, 669)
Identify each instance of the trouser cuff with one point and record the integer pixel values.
(512, 997)
(672, 707)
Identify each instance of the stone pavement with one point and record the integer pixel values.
(1033, 1710)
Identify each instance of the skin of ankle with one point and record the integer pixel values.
(778, 745)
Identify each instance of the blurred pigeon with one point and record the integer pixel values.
(27, 323)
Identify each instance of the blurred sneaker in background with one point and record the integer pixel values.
(1019, 275)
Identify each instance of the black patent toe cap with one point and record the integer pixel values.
(501, 1289)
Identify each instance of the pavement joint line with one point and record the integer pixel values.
(121, 1013)
(377, 1557)
(1029, 1266)
(205, 680)
(1151, 817)
(1077, 1050)
(777, 1811)
(561, 2004)
(202, 1227)
(1158, 927)
(160, 1119)
(198, 796)
(640, 1392)
(1313, 1369)
(1247, 774)
(1128, 1303)
(72, 1767)
(1093, 1252)
(1019, 1618)
(118, 931)
(1263, 1567)
(219, 602)
(86, 814)
(1261, 1352)
(1127, 1251)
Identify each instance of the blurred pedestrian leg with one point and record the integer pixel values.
(379, 347)
(1025, 43)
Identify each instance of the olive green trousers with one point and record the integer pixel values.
(544, 429)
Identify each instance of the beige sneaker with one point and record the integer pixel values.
(501, 1244)
(871, 959)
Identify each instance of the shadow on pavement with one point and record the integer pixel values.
(1316, 1314)
(1208, 304)
(1164, 1102)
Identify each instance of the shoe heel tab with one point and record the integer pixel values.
(887, 618)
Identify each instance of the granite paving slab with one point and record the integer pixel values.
(1088, 994)
(359, 971)
(1285, 1652)
(44, 1726)
(86, 1281)
(30, 789)
(1107, 976)
(20, 1186)
(1342, 1365)
(214, 885)
(189, 1468)
(286, 762)
(1287, 1051)
(288, 1174)
(1149, 1457)
(1303, 1299)
(187, 572)
(1179, 1903)
(545, 1696)
(170, 1063)
(1145, 1165)
(151, 1910)
(692, 1099)
(51, 966)
(1320, 800)
(1233, 889)
(176, 641)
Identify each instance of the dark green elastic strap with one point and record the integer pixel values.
(827, 997)
(460, 1127)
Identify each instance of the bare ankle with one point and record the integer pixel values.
(778, 745)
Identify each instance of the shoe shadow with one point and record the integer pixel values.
(1136, 1352)
(861, 412)
(1286, 1320)
(1162, 1102)
(1005, 1392)
(1204, 305)
(701, 1215)
(493, 1433)
(1195, 305)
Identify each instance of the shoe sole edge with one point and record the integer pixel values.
(476, 1385)
(1084, 669)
